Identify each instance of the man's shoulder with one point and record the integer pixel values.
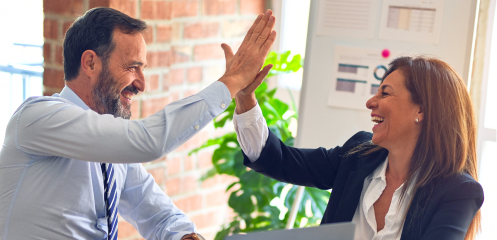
(41, 101)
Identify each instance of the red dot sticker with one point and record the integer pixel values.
(385, 53)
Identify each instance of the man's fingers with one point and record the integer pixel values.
(260, 26)
(251, 30)
(268, 43)
(266, 32)
(228, 53)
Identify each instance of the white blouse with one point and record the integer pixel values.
(252, 134)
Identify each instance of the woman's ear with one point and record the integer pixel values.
(420, 114)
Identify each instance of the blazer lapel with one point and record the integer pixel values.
(353, 187)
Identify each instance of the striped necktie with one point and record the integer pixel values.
(110, 198)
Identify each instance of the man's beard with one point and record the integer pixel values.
(107, 97)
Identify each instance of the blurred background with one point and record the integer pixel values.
(184, 56)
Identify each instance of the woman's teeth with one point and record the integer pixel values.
(377, 119)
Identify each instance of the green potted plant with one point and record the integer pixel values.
(261, 203)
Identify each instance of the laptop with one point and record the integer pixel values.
(336, 231)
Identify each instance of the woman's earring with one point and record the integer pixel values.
(417, 120)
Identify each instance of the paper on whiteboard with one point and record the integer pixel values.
(347, 18)
(411, 20)
(356, 75)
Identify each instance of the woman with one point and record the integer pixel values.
(414, 177)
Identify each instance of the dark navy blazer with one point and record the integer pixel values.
(440, 210)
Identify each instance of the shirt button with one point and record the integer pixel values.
(223, 105)
(196, 127)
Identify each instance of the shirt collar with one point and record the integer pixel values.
(68, 94)
(380, 171)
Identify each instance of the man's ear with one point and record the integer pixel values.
(90, 63)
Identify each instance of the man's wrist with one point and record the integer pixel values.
(232, 84)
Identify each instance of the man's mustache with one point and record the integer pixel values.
(131, 89)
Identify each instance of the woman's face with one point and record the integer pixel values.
(394, 114)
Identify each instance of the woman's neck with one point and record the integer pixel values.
(399, 160)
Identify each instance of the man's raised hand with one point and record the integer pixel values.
(243, 67)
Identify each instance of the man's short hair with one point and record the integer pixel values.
(94, 31)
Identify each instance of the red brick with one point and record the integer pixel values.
(50, 29)
(135, 109)
(209, 219)
(189, 204)
(174, 96)
(153, 105)
(125, 6)
(194, 74)
(53, 78)
(58, 55)
(181, 54)
(148, 35)
(188, 93)
(163, 33)
(99, 3)
(174, 165)
(47, 53)
(205, 160)
(72, 8)
(176, 76)
(216, 198)
(181, 185)
(232, 29)
(153, 83)
(184, 8)
(252, 6)
(155, 10)
(126, 230)
(173, 186)
(65, 27)
(208, 51)
(158, 173)
(219, 7)
(165, 82)
(157, 59)
(201, 30)
(189, 184)
(164, 58)
(164, 10)
(189, 163)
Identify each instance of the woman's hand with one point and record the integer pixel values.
(191, 236)
(245, 98)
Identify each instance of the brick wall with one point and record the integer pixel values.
(184, 56)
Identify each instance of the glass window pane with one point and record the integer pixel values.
(491, 101)
(488, 181)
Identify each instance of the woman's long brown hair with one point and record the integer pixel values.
(447, 143)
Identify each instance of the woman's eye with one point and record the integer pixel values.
(384, 94)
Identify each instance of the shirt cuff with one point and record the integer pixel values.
(217, 96)
(247, 118)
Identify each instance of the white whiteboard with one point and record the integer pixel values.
(322, 125)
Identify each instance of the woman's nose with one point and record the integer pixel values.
(371, 103)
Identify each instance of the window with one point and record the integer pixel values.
(21, 61)
(487, 145)
(294, 20)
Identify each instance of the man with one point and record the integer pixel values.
(70, 162)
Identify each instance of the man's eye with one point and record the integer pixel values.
(384, 94)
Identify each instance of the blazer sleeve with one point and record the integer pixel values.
(306, 167)
(455, 212)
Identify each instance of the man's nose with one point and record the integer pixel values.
(140, 82)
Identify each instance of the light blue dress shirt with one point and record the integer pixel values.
(51, 183)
